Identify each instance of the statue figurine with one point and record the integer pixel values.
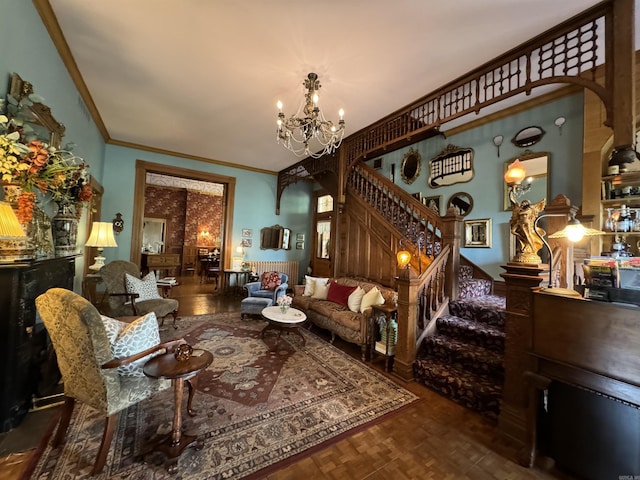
(528, 237)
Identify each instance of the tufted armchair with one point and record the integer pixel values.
(255, 289)
(121, 303)
(89, 370)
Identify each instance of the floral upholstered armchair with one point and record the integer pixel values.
(100, 360)
(271, 285)
(130, 295)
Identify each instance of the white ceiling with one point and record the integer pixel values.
(202, 77)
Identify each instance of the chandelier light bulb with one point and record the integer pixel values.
(315, 99)
(341, 113)
(279, 104)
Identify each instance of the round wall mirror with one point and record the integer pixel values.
(528, 136)
(461, 202)
(410, 168)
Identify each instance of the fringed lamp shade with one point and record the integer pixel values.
(101, 236)
(13, 241)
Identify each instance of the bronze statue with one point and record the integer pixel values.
(528, 237)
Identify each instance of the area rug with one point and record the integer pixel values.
(261, 402)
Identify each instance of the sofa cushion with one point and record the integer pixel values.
(271, 280)
(372, 297)
(320, 291)
(355, 299)
(310, 284)
(339, 293)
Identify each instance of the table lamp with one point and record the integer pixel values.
(101, 236)
(13, 241)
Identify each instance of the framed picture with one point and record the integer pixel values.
(417, 196)
(299, 245)
(433, 203)
(299, 237)
(247, 233)
(477, 233)
(247, 242)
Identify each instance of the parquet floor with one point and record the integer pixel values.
(433, 438)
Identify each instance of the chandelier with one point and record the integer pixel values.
(297, 131)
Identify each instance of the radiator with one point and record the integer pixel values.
(290, 268)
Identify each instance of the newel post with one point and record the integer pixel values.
(408, 289)
(452, 231)
(520, 281)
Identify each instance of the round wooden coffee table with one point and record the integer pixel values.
(288, 321)
(166, 367)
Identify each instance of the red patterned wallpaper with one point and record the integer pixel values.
(187, 213)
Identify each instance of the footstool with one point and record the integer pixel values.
(254, 305)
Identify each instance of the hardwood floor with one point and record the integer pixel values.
(433, 438)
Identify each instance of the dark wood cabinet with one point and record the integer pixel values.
(27, 361)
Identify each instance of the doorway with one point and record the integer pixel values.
(143, 168)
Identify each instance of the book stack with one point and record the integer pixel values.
(167, 281)
(601, 272)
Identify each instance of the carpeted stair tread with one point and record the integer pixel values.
(472, 357)
(472, 390)
(477, 333)
(488, 309)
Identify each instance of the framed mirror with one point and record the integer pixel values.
(528, 136)
(275, 238)
(535, 186)
(461, 202)
(153, 235)
(410, 168)
(35, 119)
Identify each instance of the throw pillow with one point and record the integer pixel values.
(134, 338)
(355, 299)
(339, 293)
(113, 328)
(372, 297)
(321, 289)
(310, 283)
(270, 280)
(145, 287)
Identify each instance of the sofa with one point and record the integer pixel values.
(339, 314)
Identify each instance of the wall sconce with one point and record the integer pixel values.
(560, 121)
(497, 141)
(514, 176)
(101, 236)
(404, 258)
(574, 231)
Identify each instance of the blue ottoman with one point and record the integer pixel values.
(253, 305)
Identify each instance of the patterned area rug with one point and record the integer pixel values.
(260, 402)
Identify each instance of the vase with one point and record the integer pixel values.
(284, 308)
(65, 230)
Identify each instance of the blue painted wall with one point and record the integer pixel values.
(254, 205)
(487, 186)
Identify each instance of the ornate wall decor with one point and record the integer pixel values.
(410, 168)
(453, 165)
(528, 136)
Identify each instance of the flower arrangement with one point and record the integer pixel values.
(284, 301)
(37, 165)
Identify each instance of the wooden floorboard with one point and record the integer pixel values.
(432, 438)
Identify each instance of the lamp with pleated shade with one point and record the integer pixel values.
(13, 241)
(101, 236)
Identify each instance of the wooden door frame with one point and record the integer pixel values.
(143, 167)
